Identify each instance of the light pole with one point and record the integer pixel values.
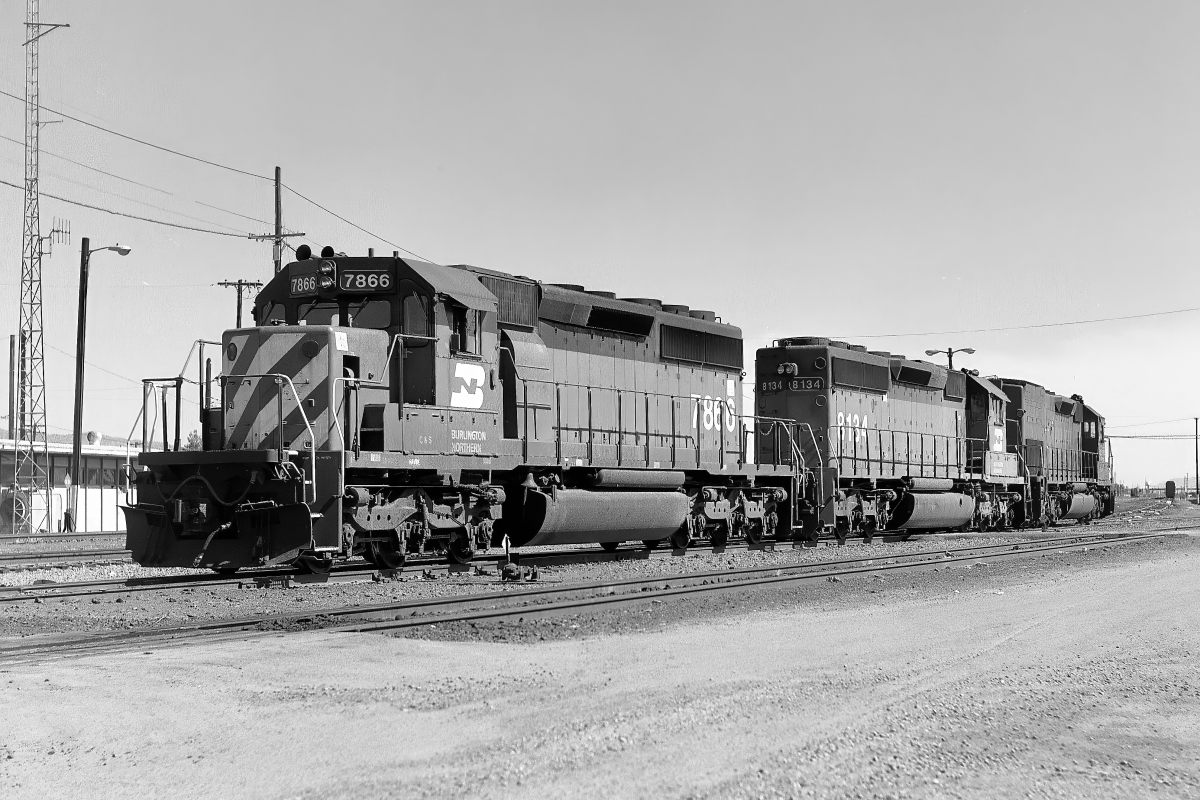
(950, 351)
(80, 341)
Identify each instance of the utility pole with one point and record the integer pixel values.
(240, 285)
(278, 236)
(278, 220)
(1196, 420)
(31, 475)
(12, 387)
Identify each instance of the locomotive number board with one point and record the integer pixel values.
(792, 385)
(365, 280)
(304, 285)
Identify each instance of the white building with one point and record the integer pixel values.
(102, 478)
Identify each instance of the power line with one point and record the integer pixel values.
(1144, 424)
(137, 183)
(202, 161)
(94, 366)
(1018, 327)
(361, 228)
(85, 166)
(130, 216)
(139, 141)
(139, 202)
(1166, 436)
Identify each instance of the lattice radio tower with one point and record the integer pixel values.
(31, 478)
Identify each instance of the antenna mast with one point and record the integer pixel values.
(31, 478)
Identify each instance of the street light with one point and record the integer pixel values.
(80, 340)
(950, 351)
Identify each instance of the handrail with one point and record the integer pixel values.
(967, 451)
(147, 390)
(724, 410)
(1059, 464)
(312, 438)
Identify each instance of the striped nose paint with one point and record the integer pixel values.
(251, 404)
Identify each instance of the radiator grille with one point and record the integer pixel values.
(517, 300)
(857, 375)
(700, 347)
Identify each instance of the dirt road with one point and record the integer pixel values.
(1075, 678)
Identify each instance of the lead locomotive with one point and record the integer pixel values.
(388, 406)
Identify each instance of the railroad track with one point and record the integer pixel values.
(434, 565)
(22, 558)
(340, 573)
(542, 601)
(25, 537)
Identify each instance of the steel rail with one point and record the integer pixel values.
(35, 557)
(598, 594)
(53, 537)
(645, 589)
(344, 571)
(340, 572)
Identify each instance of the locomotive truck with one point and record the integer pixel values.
(387, 406)
(892, 444)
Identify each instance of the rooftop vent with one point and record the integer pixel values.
(644, 301)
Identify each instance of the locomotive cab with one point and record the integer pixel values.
(352, 356)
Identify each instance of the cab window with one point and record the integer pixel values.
(319, 314)
(375, 314)
(465, 327)
(274, 314)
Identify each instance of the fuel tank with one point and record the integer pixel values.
(578, 516)
(932, 511)
(1081, 506)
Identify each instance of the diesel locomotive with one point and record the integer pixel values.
(387, 406)
(888, 443)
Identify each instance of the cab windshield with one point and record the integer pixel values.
(319, 314)
(375, 314)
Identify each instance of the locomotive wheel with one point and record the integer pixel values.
(383, 556)
(720, 535)
(681, 538)
(314, 564)
(225, 572)
(459, 551)
(611, 547)
(754, 531)
(651, 544)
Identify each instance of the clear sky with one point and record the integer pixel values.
(847, 169)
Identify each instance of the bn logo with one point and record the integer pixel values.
(470, 393)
